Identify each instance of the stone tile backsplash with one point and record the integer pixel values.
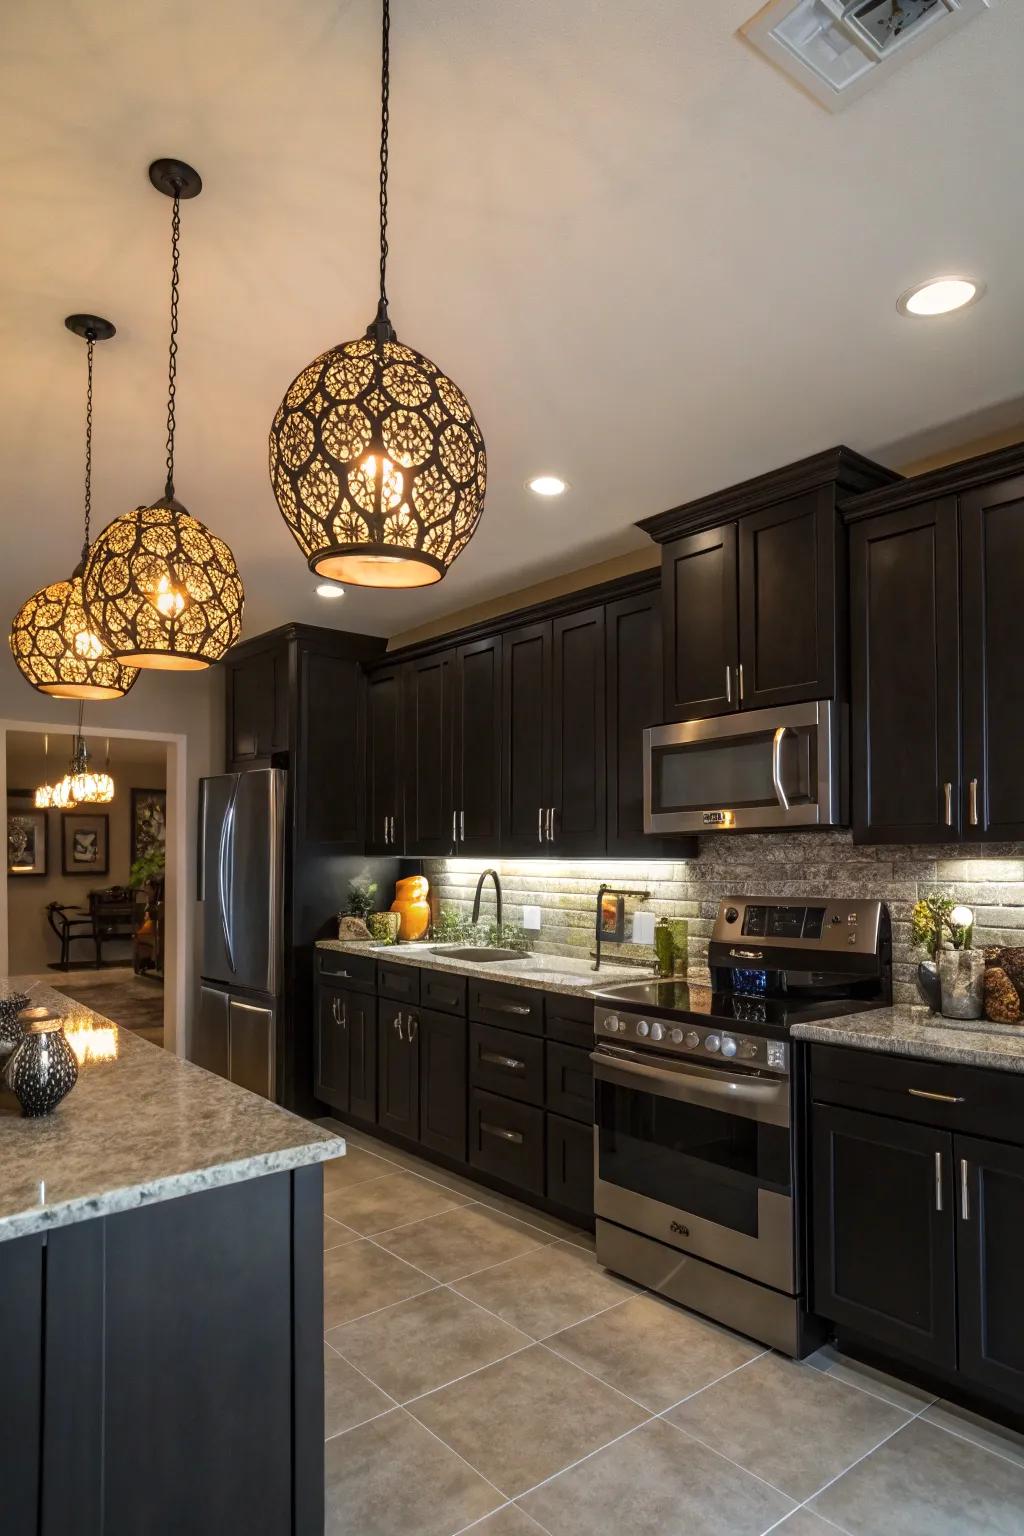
(990, 879)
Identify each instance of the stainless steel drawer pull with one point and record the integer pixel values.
(940, 1098)
(728, 684)
(965, 1191)
(412, 1025)
(938, 1181)
(501, 1133)
(741, 681)
(398, 1026)
(947, 790)
(508, 1008)
(495, 1059)
(540, 823)
(972, 802)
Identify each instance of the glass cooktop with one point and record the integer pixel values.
(693, 1000)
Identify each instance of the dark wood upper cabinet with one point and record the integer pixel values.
(257, 706)
(990, 1253)
(385, 824)
(883, 1231)
(427, 745)
(790, 612)
(476, 691)
(700, 624)
(577, 793)
(905, 668)
(331, 747)
(526, 736)
(633, 672)
(991, 567)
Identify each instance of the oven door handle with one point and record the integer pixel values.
(749, 1097)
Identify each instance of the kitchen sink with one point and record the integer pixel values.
(480, 954)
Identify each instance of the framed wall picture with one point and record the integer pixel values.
(149, 821)
(84, 846)
(26, 836)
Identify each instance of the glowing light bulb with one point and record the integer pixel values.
(88, 646)
(167, 600)
(392, 481)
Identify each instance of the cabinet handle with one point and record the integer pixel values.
(508, 1008)
(728, 683)
(497, 1060)
(940, 1098)
(972, 802)
(551, 825)
(947, 790)
(334, 1010)
(965, 1191)
(740, 674)
(938, 1181)
(455, 836)
(412, 1024)
(540, 823)
(398, 1026)
(501, 1133)
(462, 826)
(392, 831)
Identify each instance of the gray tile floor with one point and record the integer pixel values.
(484, 1373)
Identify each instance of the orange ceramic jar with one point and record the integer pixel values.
(412, 906)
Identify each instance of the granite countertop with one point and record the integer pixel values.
(549, 973)
(908, 1030)
(141, 1127)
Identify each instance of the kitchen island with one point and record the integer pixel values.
(161, 1290)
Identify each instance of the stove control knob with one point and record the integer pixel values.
(643, 1028)
(657, 1032)
(692, 1040)
(731, 914)
(611, 1024)
(728, 1045)
(712, 1042)
(677, 1037)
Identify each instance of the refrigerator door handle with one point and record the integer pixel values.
(223, 880)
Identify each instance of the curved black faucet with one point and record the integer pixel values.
(479, 890)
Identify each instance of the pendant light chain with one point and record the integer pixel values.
(172, 351)
(90, 341)
(385, 92)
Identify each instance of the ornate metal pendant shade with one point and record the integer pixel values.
(163, 590)
(56, 648)
(376, 459)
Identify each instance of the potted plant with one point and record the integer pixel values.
(147, 873)
(953, 978)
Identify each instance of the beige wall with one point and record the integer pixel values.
(32, 942)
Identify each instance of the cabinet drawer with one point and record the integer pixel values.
(570, 1082)
(508, 1007)
(401, 982)
(972, 1100)
(570, 1162)
(506, 1139)
(504, 1062)
(356, 970)
(569, 1019)
(438, 990)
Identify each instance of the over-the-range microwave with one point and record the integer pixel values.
(754, 770)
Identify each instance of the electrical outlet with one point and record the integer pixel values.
(643, 927)
(531, 918)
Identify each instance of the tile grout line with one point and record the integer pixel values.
(374, 1310)
(525, 1492)
(475, 1470)
(519, 1350)
(716, 1451)
(373, 1417)
(661, 1412)
(1002, 1455)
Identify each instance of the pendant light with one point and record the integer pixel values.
(162, 590)
(44, 792)
(82, 785)
(376, 460)
(56, 648)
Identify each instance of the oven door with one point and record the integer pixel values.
(759, 768)
(699, 1158)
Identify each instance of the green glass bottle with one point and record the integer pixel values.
(664, 946)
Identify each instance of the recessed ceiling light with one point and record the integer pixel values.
(547, 485)
(939, 296)
(329, 589)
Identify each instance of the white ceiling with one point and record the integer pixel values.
(652, 264)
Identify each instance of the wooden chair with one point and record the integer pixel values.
(113, 916)
(69, 924)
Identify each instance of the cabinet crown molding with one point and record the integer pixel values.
(949, 480)
(848, 472)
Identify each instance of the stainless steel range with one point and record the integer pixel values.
(698, 1137)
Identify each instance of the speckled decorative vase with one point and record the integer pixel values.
(43, 1069)
(10, 1025)
(962, 979)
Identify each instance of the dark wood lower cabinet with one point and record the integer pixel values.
(570, 1164)
(332, 1079)
(21, 1307)
(990, 1260)
(441, 1041)
(398, 1077)
(506, 1139)
(361, 1014)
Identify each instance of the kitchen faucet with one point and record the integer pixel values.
(479, 890)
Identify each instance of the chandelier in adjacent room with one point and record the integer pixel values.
(162, 590)
(56, 648)
(81, 785)
(376, 459)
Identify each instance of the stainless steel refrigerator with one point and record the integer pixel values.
(241, 894)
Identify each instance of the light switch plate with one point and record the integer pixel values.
(531, 918)
(643, 928)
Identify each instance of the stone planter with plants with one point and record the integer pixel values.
(953, 978)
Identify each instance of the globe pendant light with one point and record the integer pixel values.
(376, 461)
(81, 785)
(162, 590)
(56, 648)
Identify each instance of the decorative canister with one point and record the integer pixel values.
(962, 980)
(664, 946)
(384, 926)
(10, 1025)
(43, 1069)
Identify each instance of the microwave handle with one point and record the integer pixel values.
(780, 793)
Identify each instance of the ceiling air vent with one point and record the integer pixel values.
(838, 49)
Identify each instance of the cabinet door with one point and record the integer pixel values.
(257, 707)
(427, 744)
(331, 753)
(478, 746)
(398, 1077)
(571, 1165)
(905, 666)
(526, 737)
(788, 602)
(633, 701)
(992, 560)
(883, 1231)
(331, 1077)
(384, 822)
(441, 1039)
(699, 619)
(361, 1017)
(990, 1257)
(577, 798)
(22, 1275)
